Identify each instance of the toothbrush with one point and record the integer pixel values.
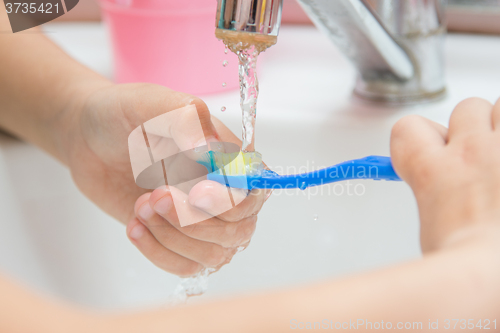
(246, 171)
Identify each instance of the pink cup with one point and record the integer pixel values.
(169, 42)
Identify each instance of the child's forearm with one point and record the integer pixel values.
(459, 283)
(39, 88)
(456, 284)
(22, 311)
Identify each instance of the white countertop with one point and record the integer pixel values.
(306, 118)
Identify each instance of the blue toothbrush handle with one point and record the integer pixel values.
(370, 167)
(376, 167)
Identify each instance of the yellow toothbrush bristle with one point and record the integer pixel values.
(239, 163)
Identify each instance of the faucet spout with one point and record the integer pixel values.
(240, 23)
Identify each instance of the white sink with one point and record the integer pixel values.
(306, 119)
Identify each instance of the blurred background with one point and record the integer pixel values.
(463, 15)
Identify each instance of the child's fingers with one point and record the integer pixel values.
(169, 114)
(206, 253)
(211, 229)
(470, 116)
(194, 127)
(412, 139)
(225, 134)
(206, 195)
(188, 127)
(162, 257)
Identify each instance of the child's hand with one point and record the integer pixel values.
(454, 173)
(186, 250)
(99, 161)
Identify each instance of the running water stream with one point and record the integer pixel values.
(247, 48)
(191, 286)
(249, 92)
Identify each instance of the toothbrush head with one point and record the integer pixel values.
(232, 164)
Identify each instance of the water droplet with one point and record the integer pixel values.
(315, 217)
(224, 63)
(223, 108)
(223, 84)
(303, 186)
(226, 50)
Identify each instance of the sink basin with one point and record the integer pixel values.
(307, 118)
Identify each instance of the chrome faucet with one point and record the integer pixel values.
(396, 45)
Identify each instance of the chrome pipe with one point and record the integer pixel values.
(254, 16)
